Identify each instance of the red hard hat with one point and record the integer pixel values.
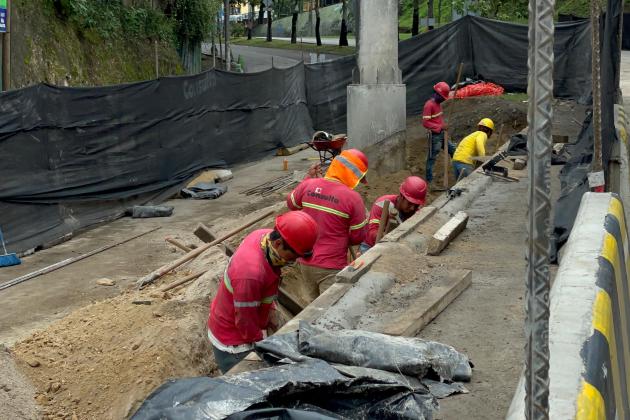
(299, 230)
(414, 189)
(442, 89)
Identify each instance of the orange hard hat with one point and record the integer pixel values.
(414, 189)
(299, 231)
(349, 167)
(442, 89)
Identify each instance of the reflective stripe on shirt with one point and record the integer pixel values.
(359, 225)
(293, 201)
(325, 209)
(252, 304)
(429, 117)
(375, 222)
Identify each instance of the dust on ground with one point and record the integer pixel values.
(464, 115)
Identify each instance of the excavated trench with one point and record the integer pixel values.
(102, 360)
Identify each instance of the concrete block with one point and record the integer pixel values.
(428, 306)
(388, 156)
(519, 164)
(447, 233)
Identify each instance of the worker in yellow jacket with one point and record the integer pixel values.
(472, 145)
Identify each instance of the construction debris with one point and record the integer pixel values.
(519, 164)
(276, 184)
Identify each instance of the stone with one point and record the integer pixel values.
(519, 164)
(33, 362)
(55, 387)
(105, 282)
(135, 346)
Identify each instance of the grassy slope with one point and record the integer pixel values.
(47, 49)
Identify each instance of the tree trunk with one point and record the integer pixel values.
(415, 26)
(343, 34)
(318, 20)
(294, 24)
(429, 14)
(261, 13)
(269, 22)
(219, 28)
(226, 20)
(250, 19)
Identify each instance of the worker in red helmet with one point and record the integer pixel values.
(242, 307)
(340, 215)
(411, 197)
(433, 121)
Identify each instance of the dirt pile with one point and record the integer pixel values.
(464, 115)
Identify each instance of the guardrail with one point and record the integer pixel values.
(589, 336)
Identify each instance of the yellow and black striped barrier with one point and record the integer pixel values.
(589, 336)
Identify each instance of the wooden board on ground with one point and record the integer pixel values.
(205, 235)
(288, 151)
(428, 306)
(447, 233)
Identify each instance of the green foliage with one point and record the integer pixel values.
(110, 19)
(195, 19)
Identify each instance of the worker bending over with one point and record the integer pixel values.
(472, 145)
(412, 195)
(433, 120)
(245, 298)
(340, 215)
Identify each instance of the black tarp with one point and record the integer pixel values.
(310, 390)
(72, 157)
(574, 175)
(491, 50)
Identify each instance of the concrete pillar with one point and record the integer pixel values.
(377, 104)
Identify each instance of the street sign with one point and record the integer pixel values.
(3, 15)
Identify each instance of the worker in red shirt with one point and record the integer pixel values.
(412, 195)
(433, 121)
(245, 298)
(340, 215)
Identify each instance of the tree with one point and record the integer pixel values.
(318, 20)
(269, 21)
(294, 19)
(261, 13)
(416, 18)
(343, 33)
(250, 18)
(226, 25)
(194, 22)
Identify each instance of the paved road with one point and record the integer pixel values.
(325, 41)
(258, 59)
(624, 82)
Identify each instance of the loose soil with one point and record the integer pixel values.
(103, 360)
(17, 395)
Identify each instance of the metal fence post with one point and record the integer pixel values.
(539, 118)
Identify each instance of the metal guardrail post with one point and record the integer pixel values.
(539, 118)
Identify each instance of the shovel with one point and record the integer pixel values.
(6, 259)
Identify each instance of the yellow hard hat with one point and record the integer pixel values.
(487, 122)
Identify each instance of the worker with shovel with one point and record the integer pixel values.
(471, 146)
(433, 121)
(411, 197)
(340, 215)
(242, 308)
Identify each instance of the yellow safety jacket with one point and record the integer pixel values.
(472, 145)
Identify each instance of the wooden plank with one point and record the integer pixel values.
(360, 266)
(423, 310)
(447, 233)
(288, 151)
(204, 233)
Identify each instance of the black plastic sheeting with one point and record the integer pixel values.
(312, 389)
(72, 157)
(574, 175)
(490, 50)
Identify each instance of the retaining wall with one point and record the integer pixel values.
(589, 341)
